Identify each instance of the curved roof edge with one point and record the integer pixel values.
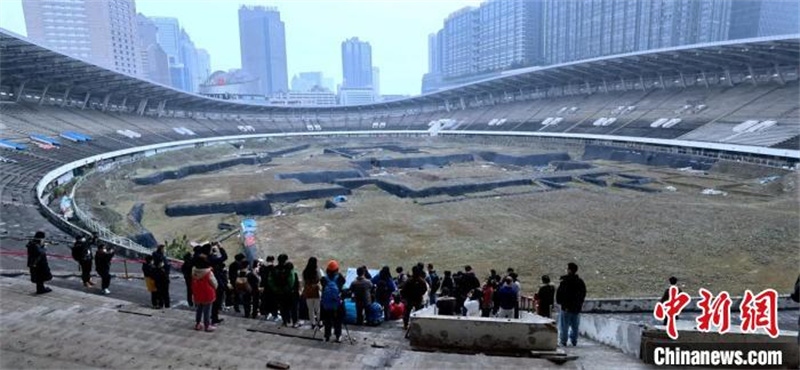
(28, 61)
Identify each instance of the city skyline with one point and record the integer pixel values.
(314, 32)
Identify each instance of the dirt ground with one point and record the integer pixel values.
(627, 243)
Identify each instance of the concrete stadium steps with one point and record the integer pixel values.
(641, 128)
(71, 329)
(22, 221)
(723, 132)
(793, 143)
(779, 103)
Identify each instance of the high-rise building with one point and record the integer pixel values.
(356, 95)
(102, 32)
(435, 52)
(757, 18)
(187, 70)
(155, 64)
(460, 48)
(498, 35)
(432, 80)
(305, 81)
(356, 63)
(510, 34)
(587, 29)
(203, 67)
(376, 82)
(189, 58)
(263, 48)
(169, 38)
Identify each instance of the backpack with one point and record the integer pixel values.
(330, 295)
(281, 276)
(79, 252)
(242, 285)
(374, 314)
(436, 282)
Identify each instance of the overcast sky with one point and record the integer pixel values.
(397, 30)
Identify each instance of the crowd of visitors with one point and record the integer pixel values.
(272, 289)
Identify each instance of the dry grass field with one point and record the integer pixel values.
(626, 242)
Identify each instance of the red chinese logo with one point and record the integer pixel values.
(760, 311)
(670, 309)
(757, 311)
(716, 311)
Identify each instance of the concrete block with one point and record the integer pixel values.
(623, 335)
(530, 332)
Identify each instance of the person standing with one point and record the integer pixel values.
(413, 292)
(102, 264)
(570, 296)
(362, 294)
(293, 299)
(269, 307)
(311, 291)
(217, 260)
(281, 282)
(487, 302)
(546, 297)
(434, 282)
(673, 281)
(82, 253)
(384, 289)
(506, 299)
(331, 307)
(37, 263)
(162, 284)
(204, 290)
(148, 270)
(160, 259)
(255, 296)
(233, 297)
(186, 269)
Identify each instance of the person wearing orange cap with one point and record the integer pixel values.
(332, 309)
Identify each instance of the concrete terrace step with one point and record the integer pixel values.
(72, 329)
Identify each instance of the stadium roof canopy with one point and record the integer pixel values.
(30, 67)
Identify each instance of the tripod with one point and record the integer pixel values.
(344, 323)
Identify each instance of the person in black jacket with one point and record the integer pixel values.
(102, 264)
(148, 271)
(546, 296)
(412, 293)
(269, 308)
(466, 285)
(161, 261)
(186, 269)
(37, 263)
(162, 284)
(570, 296)
(238, 264)
(82, 253)
(217, 260)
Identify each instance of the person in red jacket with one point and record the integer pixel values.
(204, 292)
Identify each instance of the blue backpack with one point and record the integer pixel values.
(330, 295)
(374, 314)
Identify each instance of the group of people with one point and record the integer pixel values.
(102, 256)
(274, 290)
(81, 252)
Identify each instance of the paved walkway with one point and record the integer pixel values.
(69, 328)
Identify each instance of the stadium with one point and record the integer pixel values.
(641, 166)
